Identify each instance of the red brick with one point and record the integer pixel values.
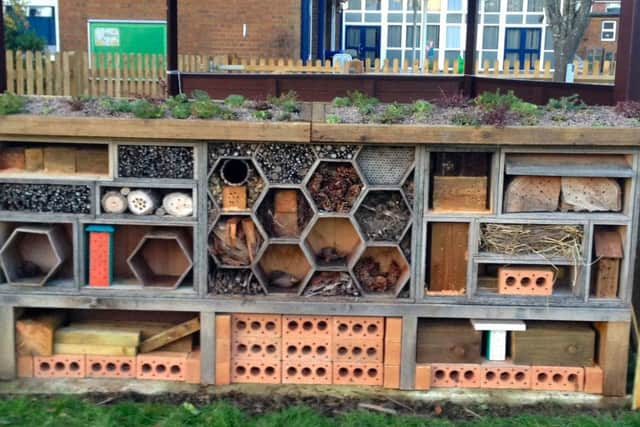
(393, 329)
(455, 375)
(423, 377)
(593, 380)
(392, 376)
(392, 352)
(193, 368)
(99, 259)
(223, 327)
(223, 373)
(111, 367)
(59, 366)
(161, 365)
(525, 281)
(358, 373)
(25, 366)
(560, 378)
(296, 372)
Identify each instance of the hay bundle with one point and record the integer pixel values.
(548, 241)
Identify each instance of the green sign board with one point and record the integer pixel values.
(128, 37)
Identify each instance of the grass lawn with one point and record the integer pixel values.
(77, 411)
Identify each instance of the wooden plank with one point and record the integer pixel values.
(607, 277)
(170, 335)
(102, 91)
(39, 74)
(117, 87)
(448, 341)
(554, 344)
(84, 74)
(48, 75)
(576, 165)
(109, 74)
(20, 83)
(95, 350)
(613, 354)
(608, 244)
(58, 75)
(11, 75)
(448, 257)
(460, 193)
(29, 65)
(102, 335)
(66, 74)
(34, 335)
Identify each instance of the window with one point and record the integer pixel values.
(454, 5)
(372, 4)
(409, 41)
(355, 4)
(491, 6)
(434, 5)
(394, 36)
(395, 4)
(433, 35)
(453, 37)
(535, 5)
(514, 5)
(490, 37)
(608, 31)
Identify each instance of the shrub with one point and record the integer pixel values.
(334, 119)
(490, 100)
(365, 104)
(235, 101)
(181, 111)
(262, 115)
(204, 108)
(287, 101)
(116, 105)
(566, 103)
(499, 116)
(465, 118)
(341, 101)
(393, 113)
(179, 99)
(629, 109)
(421, 108)
(144, 109)
(77, 103)
(456, 100)
(199, 95)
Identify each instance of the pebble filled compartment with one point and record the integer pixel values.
(45, 198)
(285, 163)
(155, 161)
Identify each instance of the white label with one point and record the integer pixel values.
(107, 37)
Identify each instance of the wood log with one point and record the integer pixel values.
(34, 335)
(170, 335)
(460, 193)
(178, 204)
(142, 202)
(92, 161)
(249, 229)
(591, 195)
(113, 202)
(448, 341)
(98, 335)
(12, 158)
(33, 159)
(449, 244)
(234, 198)
(285, 201)
(60, 160)
(554, 344)
(532, 194)
(95, 350)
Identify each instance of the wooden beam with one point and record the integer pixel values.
(628, 54)
(470, 48)
(613, 353)
(170, 335)
(172, 47)
(3, 55)
(7, 342)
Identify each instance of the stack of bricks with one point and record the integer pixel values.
(306, 350)
(223, 349)
(256, 348)
(358, 350)
(392, 352)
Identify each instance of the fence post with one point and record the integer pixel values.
(3, 57)
(172, 47)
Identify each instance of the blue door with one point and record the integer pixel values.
(523, 44)
(365, 40)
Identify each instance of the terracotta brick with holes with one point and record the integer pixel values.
(559, 378)
(296, 372)
(59, 366)
(455, 375)
(526, 281)
(423, 377)
(392, 376)
(358, 373)
(161, 365)
(358, 351)
(311, 349)
(306, 327)
(358, 328)
(249, 348)
(255, 372)
(111, 367)
(256, 325)
(506, 376)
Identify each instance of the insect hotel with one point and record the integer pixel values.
(215, 252)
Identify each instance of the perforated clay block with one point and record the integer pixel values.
(306, 326)
(255, 372)
(59, 366)
(295, 372)
(506, 376)
(558, 378)
(358, 374)
(256, 325)
(313, 349)
(525, 281)
(111, 367)
(358, 328)
(455, 375)
(160, 365)
(358, 351)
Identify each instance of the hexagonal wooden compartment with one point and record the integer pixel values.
(283, 268)
(376, 264)
(162, 258)
(33, 254)
(334, 242)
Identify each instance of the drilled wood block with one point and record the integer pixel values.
(557, 378)
(448, 341)
(234, 198)
(591, 195)
(554, 344)
(526, 281)
(460, 193)
(455, 375)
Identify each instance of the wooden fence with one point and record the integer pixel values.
(118, 75)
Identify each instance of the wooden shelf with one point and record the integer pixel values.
(490, 258)
(573, 165)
